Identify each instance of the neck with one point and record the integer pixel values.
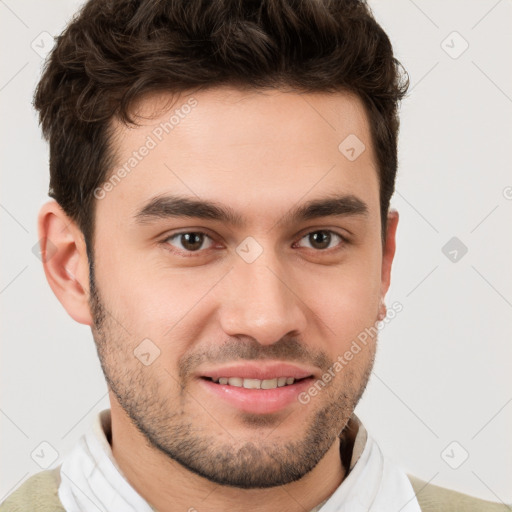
(167, 486)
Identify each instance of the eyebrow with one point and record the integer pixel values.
(174, 206)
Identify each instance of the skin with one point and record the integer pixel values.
(178, 446)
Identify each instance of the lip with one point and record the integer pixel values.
(261, 371)
(256, 401)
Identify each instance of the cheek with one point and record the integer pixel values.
(162, 304)
(129, 287)
(347, 300)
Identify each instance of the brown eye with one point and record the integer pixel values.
(189, 241)
(322, 239)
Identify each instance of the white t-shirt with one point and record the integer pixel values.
(91, 480)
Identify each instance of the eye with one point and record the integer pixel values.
(190, 241)
(321, 239)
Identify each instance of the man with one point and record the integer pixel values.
(221, 176)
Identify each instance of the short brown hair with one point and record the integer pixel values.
(114, 51)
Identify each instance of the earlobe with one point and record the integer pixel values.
(65, 262)
(388, 253)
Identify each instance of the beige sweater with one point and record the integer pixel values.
(39, 494)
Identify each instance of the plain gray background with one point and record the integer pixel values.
(441, 389)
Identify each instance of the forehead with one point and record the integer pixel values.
(256, 150)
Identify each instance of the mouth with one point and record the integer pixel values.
(257, 387)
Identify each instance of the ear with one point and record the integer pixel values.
(388, 255)
(65, 262)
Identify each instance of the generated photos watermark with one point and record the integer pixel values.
(157, 135)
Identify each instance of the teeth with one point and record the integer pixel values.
(269, 384)
(251, 383)
(256, 383)
(235, 381)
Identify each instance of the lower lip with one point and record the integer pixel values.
(257, 401)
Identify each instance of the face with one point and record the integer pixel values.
(259, 285)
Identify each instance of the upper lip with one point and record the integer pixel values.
(261, 371)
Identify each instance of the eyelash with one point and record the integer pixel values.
(165, 241)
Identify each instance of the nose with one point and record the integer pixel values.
(259, 301)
